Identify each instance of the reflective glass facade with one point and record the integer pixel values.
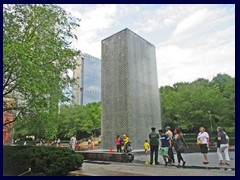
(88, 75)
(91, 79)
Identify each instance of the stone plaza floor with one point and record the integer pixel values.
(194, 167)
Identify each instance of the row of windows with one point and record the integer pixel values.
(92, 91)
(91, 73)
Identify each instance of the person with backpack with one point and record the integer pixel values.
(222, 147)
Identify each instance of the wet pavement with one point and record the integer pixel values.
(193, 160)
(139, 167)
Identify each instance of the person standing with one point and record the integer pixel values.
(73, 142)
(165, 144)
(203, 141)
(118, 143)
(222, 147)
(146, 146)
(89, 143)
(170, 150)
(127, 143)
(154, 145)
(179, 145)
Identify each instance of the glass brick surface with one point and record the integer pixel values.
(130, 96)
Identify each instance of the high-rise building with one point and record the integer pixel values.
(88, 75)
(130, 95)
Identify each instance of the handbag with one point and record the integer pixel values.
(199, 142)
(181, 148)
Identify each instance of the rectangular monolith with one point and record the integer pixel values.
(130, 95)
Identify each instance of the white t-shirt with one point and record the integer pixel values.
(203, 137)
(73, 140)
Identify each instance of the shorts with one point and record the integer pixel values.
(164, 151)
(204, 148)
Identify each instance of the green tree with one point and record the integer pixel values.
(36, 59)
(200, 103)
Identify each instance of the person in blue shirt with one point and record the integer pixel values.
(164, 145)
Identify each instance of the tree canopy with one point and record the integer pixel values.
(200, 103)
(36, 59)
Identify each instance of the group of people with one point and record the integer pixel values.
(74, 145)
(123, 143)
(223, 145)
(165, 142)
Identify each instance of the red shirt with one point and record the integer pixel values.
(118, 141)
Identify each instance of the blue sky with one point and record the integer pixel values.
(192, 41)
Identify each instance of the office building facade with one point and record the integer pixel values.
(88, 75)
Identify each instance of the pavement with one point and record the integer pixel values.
(140, 167)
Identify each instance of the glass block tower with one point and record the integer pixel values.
(130, 96)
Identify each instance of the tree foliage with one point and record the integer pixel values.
(200, 103)
(70, 120)
(36, 59)
(79, 118)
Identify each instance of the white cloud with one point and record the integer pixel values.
(192, 41)
(191, 22)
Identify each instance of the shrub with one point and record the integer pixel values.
(50, 161)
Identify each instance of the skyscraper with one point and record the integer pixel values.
(130, 95)
(88, 75)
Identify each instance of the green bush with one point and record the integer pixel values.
(194, 140)
(48, 161)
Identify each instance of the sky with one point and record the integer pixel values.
(192, 41)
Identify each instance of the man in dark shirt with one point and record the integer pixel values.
(154, 145)
(165, 144)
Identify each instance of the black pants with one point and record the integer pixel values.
(152, 150)
(179, 156)
(170, 153)
(118, 148)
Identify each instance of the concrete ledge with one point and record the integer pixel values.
(104, 156)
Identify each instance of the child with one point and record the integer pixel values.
(146, 147)
(165, 143)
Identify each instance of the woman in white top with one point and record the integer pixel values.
(203, 141)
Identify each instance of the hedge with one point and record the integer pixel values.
(45, 161)
(194, 140)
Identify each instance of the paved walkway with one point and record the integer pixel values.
(193, 160)
(194, 167)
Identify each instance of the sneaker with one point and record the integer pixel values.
(221, 163)
(178, 166)
(150, 163)
(227, 163)
(157, 163)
